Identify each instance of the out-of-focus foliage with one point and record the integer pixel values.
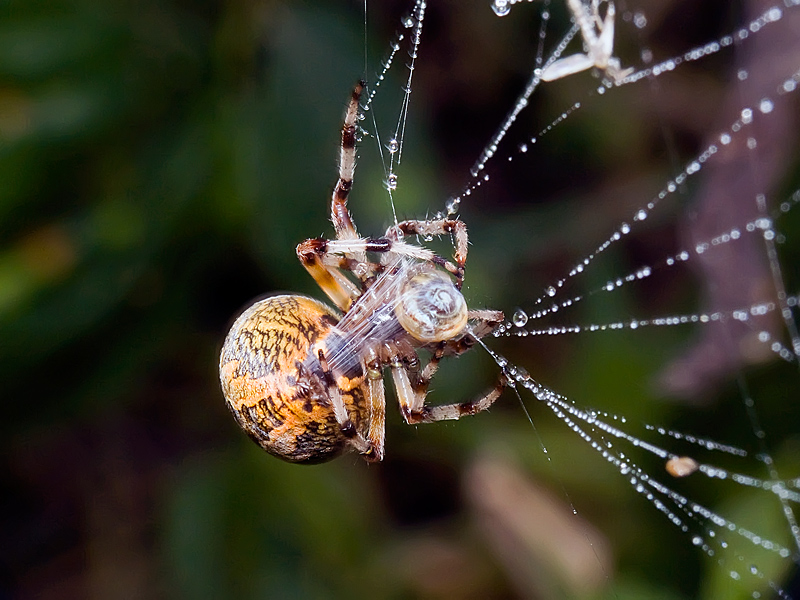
(159, 161)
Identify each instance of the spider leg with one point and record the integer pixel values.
(439, 227)
(452, 412)
(486, 321)
(346, 425)
(342, 221)
(329, 277)
(483, 323)
(377, 409)
(412, 403)
(349, 248)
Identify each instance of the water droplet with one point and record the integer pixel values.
(520, 318)
(766, 106)
(391, 181)
(551, 291)
(408, 21)
(501, 7)
(393, 145)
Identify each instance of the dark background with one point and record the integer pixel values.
(159, 162)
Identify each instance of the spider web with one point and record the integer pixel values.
(733, 204)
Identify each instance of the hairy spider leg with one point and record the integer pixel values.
(362, 445)
(412, 402)
(330, 278)
(376, 401)
(439, 227)
(342, 221)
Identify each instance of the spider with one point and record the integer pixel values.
(305, 381)
(598, 43)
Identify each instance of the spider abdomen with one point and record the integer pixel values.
(274, 385)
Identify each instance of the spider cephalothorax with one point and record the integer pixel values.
(305, 381)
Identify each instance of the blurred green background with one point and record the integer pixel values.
(159, 162)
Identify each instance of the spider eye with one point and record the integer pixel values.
(431, 309)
